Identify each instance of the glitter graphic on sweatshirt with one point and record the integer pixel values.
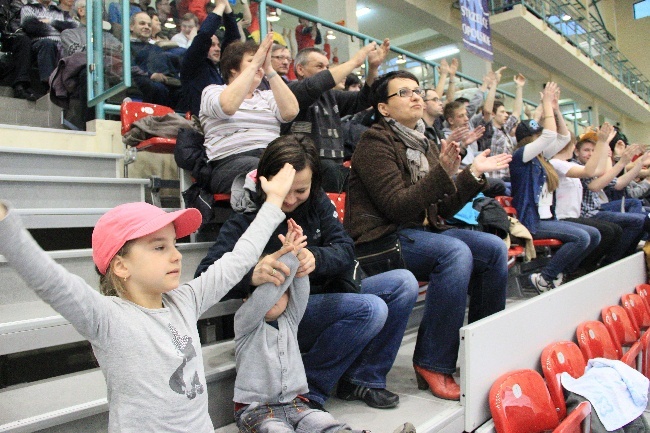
(185, 379)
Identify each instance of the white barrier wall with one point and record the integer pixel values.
(514, 338)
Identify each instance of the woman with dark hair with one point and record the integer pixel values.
(534, 181)
(239, 120)
(402, 185)
(350, 331)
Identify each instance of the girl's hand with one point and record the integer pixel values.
(483, 163)
(277, 188)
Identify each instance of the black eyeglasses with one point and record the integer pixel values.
(282, 58)
(436, 99)
(407, 93)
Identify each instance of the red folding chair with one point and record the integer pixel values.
(338, 200)
(545, 244)
(643, 290)
(521, 403)
(595, 341)
(635, 307)
(624, 333)
(133, 111)
(558, 358)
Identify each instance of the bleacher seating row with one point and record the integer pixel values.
(520, 400)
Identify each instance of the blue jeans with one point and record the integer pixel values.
(455, 262)
(632, 225)
(355, 334)
(294, 416)
(632, 205)
(578, 242)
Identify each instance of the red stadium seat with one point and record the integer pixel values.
(623, 332)
(521, 403)
(132, 111)
(595, 341)
(557, 358)
(338, 200)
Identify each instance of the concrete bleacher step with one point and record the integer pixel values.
(27, 323)
(42, 113)
(65, 201)
(41, 162)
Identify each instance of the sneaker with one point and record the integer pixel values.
(559, 280)
(540, 283)
(22, 92)
(406, 428)
(374, 397)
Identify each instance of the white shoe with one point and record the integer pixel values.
(559, 280)
(540, 283)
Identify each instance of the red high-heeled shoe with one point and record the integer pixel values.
(441, 385)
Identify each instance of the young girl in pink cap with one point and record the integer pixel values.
(144, 336)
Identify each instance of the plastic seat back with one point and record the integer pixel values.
(132, 111)
(504, 200)
(619, 325)
(338, 200)
(635, 308)
(643, 290)
(557, 358)
(521, 403)
(595, 341)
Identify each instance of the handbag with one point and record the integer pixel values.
(381, 255)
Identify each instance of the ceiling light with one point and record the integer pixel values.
(272, 17)
(566, 17)
(330, 34)
(170, 24)
(363, 10)
(401, 60)
(442, 52)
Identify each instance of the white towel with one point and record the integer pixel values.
(617, 392)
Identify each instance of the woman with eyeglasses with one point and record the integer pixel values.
(401, 183)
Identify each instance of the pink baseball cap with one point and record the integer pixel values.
(135, 220)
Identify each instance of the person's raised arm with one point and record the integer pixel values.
(375, 59)
(630, 175)
(443, 73)
(235, 92)
(520, 82)
(451, 88)
(284, 98)
(342, 70)
(604, 180)
(492, 93)
(590, 169)
(549, 134)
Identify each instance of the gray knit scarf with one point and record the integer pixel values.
(417, 146)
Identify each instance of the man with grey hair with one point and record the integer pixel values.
(321, 107)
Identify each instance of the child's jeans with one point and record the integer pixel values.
(294, 416)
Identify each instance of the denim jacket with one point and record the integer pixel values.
(527, 182)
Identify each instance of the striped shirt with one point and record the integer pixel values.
(503, 142)
(253, 126)
(40, 12)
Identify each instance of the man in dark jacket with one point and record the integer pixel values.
(321, 107)
(201, 62)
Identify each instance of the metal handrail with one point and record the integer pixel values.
(595, 42)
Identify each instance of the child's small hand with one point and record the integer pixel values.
(277, 188)
(294, 237)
